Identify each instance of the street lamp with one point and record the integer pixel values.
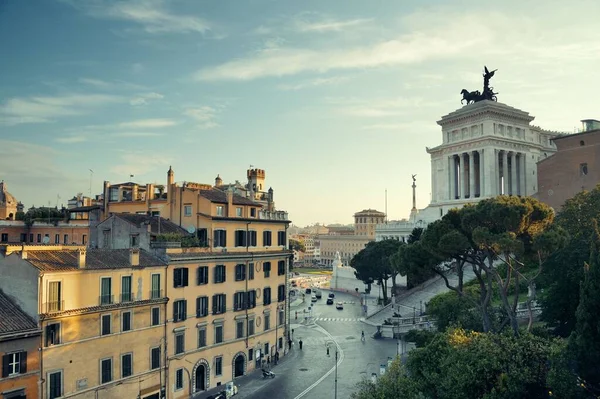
(336, 362)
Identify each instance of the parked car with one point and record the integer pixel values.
(318, 294)
(339, 305)
(313, 298)
(329, 301)
(331, 295)
(308, 291)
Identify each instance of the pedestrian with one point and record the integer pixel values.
(268, 360)
(327, 350)
(296, 315)
(276, 357)
(300, 344)
(290, 344)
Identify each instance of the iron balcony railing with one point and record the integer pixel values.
(106, 299)
(126, 297)
(155, 294)
(53, 306)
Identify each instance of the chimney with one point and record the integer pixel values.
(134, 257)
(230, 209)
(81, 258)
(23, 252)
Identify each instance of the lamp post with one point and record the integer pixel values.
(336, 362)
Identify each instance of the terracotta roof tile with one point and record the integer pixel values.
(12, 318)
(220, 197)
(166, 226)
(95, 259)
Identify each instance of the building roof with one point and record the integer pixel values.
(66, 260)
(166, 226)
(12, 317)
(6, 197)
(84, 208)
(586, 133)
(220, 197)
(369, 212)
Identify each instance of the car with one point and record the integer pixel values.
(308, 291)
(329, 301)
(318, 294)
(331, 295)
(339, 305)
(313, 298)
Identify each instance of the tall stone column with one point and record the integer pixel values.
(522, 173)
(451, 177)
(465, 176)
(504, 172)
(472, 174)
(513, 174)
(457, 176)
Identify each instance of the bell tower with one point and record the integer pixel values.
(256, 180)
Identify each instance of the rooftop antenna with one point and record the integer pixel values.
(386, 215)
(91, 176)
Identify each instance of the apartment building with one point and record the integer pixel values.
(102, 313)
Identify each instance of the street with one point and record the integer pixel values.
(303, 373)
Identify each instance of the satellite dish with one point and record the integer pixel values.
(191, 229)
(46, 240)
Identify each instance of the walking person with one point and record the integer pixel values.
(300, 344)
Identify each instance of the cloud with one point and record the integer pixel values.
(137, 68)
(314, 83)
(110, 85)
(142, 99)
(72, 139)
(330, 25)
(137, 134)
(31, 163)
(41, 109)
(205, 116)
(152, 15)
(376, 108)
(122, 130)
(146, 124)
(139, 163)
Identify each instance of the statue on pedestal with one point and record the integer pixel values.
(487, 94)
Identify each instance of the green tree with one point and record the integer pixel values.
(585, 340)
(394, 384)
(297, 245)
(373, 263)
(449, 309)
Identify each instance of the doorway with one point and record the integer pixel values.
(201, 378)
(238, 366)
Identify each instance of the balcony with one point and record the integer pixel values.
(53, 306)
(155, 294)
(273, 215)
(127, 297)
(106, 299)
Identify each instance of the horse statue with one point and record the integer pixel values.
(470, 97)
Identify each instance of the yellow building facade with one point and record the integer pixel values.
(102, 316)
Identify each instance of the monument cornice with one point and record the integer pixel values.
(484, 110)
(487, 141)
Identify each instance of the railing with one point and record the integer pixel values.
(274, 215)
(53, 306)
(155, 294)
(126, 297)
(106, 299)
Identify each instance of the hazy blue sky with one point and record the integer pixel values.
(335, 99)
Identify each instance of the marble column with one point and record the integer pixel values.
(522, 173)
(465, 176)
(472, 174)
(451, 177)
(505, 172)
(514, 188)
(457, 176)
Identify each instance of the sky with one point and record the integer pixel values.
(336, 100)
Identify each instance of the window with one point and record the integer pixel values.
(105, 371)
(55, 385)
(180, 277)
(240, 238)
(220, 210)
(65, 239)
(281, 268)
(267, 322)
(155, 316)
(23, 237)
(252, 212)
(267, 269)
(178, 379)
(281, 319)
(126, 289)
(154, 358)
(202, 337)
(218, 366)
(106, 297)
(179, 310)
(238, 212)
(187, 210)
(218, 333)
(220, 239)
(220, 274)
(251, 271)
(179, 342)
(281, 238)
(155, 291)
(252, 238)
(134, 240)
(54, 296)
(126, 321)
(239, 301)
(31, 238)
(583, 169)
(84, 239)
(240, 272)
(105, 324)
(14, 363)
(267, 239)
(267, 296)
(202, 275)
(219, 304)
(251, 301)
(39, 238)
(57, 238)
(52, 334)
(250, 327)
(239, 329)
(126, 365)
(281, 293)
(202, 306)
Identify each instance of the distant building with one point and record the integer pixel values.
(81, 200)
(19, 343)
(575, 166)
(365, 222)
(8, 203)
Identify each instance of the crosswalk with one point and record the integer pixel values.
(340, 319)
